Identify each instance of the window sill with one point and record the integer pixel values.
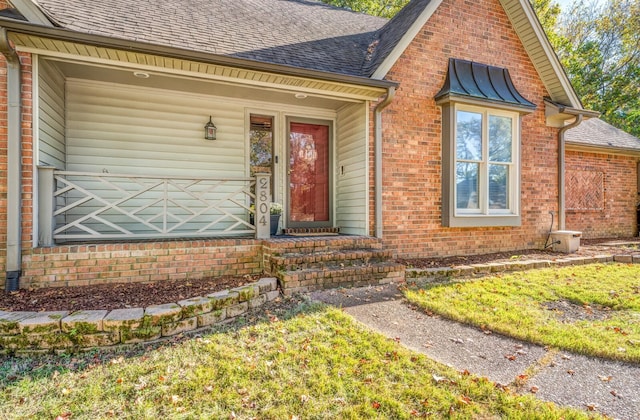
(482, 221)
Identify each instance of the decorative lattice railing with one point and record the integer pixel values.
(96, 206)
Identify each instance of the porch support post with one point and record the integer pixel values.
(377, 133)
(263, 205)
(46, 206)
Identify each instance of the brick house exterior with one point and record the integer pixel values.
(412, 123)
(602, 173)
(423, 38)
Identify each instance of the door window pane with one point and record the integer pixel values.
(467, 185)
(500, 131)
(261, 141)
(469, 135)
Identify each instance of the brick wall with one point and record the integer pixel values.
(616, 215)
(479, 31)
(81, 265)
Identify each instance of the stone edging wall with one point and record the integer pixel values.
(442, 273)
(30, 332)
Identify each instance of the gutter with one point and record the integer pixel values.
(555, 110)
(185, 54)
(391, 92)
(14, 162)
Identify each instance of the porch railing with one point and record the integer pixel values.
(84, 206)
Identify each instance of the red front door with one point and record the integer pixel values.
(309, 175)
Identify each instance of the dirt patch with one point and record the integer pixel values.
(570, 312)
(116, 295)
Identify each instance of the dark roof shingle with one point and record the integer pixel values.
(300, 33)
(597, 133)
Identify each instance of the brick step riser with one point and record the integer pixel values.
(319, 265)
(291, 284)
(322, 246)
(286, 263)
(337, 272)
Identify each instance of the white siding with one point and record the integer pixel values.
(51, 116)
(351, 170)
(123, 129)
(140, 131)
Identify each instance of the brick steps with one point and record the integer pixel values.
(320, 244)
(307, 264)
(347, 257)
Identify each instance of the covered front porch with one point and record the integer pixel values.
(132, 184)
(122, 154)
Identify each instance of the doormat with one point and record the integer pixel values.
(323, 231)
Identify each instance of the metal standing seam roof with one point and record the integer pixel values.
(480, 81)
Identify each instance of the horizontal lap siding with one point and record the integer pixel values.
(351, 188)
(51, 120)
(125, 130)
(151, 132)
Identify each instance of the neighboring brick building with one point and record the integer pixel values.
(436, 132)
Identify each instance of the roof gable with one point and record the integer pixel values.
(524, 21)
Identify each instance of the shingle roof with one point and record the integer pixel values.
(597, 133)
(388, 37)
(300, 33)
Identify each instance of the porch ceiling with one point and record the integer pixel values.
(320, 92)
(166, 81)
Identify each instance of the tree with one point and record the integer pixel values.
(599, 47)
(382, 8)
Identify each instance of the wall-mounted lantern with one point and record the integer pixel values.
(210, 130)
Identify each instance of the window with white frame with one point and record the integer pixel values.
(485, 168)
(481, 161)
(481, 112)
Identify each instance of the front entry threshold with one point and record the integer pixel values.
(312, 231)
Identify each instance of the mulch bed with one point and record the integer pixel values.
(140, 295)
(116, 295)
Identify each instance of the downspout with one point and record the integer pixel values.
(391, 92)
(561, 165)
(14, 163)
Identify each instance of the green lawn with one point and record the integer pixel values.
(314, 363)
(591, 309)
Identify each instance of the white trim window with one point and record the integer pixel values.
(481, 166)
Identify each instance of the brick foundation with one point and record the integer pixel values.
(477, 31)
(81, 265)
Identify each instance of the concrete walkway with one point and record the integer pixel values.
(611, 388)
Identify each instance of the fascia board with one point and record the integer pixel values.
(548, 50)
(413, 31)
(31, 12)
